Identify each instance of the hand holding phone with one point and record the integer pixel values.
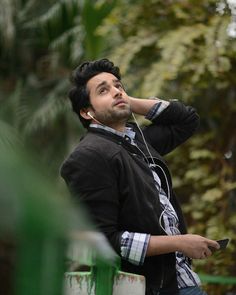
(223, 244)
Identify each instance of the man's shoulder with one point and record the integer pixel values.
(101, 142)
(92, 151)
(94, 145)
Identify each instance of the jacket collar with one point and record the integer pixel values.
(128, 130)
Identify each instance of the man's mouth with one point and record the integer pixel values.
(120, 102)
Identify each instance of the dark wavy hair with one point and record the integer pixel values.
(79, 94)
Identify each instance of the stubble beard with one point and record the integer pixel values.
(114, 116)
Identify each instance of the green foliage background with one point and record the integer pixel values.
(170, 49)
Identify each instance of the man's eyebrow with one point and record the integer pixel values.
(101, 84)
(118, 81)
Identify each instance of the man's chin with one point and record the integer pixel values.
(123, 109)
(123, 114)
(114, 116)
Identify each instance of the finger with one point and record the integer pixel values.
(213, 244)
(207, 252)
(205, 255)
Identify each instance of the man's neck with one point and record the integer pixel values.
(127, 132)
(120, 127)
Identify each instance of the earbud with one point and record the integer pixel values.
(92, 117)
(88, 113)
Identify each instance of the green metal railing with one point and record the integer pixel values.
(102, 261)
(221, 280)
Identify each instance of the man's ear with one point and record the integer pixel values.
(86, 113)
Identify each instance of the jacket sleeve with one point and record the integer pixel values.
(91, 181)
(172, 127)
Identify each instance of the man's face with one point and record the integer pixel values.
(110, 102)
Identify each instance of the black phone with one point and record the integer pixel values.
(223, 244)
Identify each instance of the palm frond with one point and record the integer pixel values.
(20, 105)
(217, 43)
(59, 13)
(53, 106)
(63, 38)
(7, 25)
(14, 108)
(175, 47)
(72, 38)
(9, 137)
(25, 10)
(125, 53)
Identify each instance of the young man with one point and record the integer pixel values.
(118, 172)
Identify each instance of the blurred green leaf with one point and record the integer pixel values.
(212, 195)
(202, 153)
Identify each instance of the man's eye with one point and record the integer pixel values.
(119, 86)
(102, 90)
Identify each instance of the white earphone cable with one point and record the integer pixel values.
(153, 162)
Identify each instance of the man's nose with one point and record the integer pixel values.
(116, 92)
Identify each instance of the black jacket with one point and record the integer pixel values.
(112, 178)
